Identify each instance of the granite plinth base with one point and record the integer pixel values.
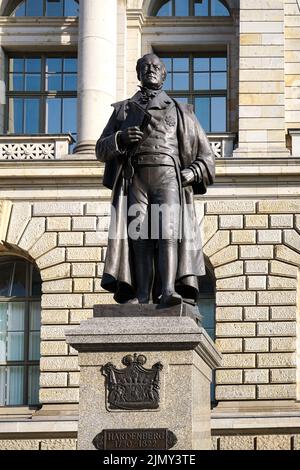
(174, 338)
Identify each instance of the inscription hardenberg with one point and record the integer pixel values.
(115, 439)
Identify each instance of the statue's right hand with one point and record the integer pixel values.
(130, 136)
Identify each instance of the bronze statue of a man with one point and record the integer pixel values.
(156, 156)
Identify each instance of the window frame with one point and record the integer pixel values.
(42, 94)
(159, 5)
(13, 11)
(192, 94)
(27, 300)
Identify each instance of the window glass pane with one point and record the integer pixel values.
(218, 9)
(201, 8)
(36, 283)
(3, 338)
(15, 346)
(33, 65)
(201, 81)
(70, 65)
(16, 65)
(53, 116)
(70, 82)
(16, 312)
(20, 10)
(180, 65)
(5, 278)
(15, 385)
(53, 82)
(207, 310)
(168, 63)
(16, 82)
(16, 109)
(35, 316)
(182, 7)
(69, 115)
(218, 114)
(53, 65)
(2, 385)
(32, 116)
(19, 281)
(201, 64)
(166, 9)
(182, 99)
(218, 64)
(34, 8)
(32, 82)
(180, 81)
(71, 8)
(202, 109)
(34, 345)
(218, 81)
(54, 8)
(33, 385)
(168, 82)
(3, 316)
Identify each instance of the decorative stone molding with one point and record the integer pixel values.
(222, 144)
(5, 210)
(37, 147)
(295, 142)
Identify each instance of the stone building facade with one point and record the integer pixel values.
(54, 211)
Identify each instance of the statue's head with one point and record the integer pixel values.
(151, 71)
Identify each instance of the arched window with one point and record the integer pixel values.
(191, 8)
(47, 8)
(20, 318)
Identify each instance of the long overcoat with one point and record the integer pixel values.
(194, 151)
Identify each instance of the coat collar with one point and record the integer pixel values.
(161, 101)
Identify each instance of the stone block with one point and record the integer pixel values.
(52, 258)
(283, 269)
(97, 286)
(219, 241)
(19, 444)
(283, 206)
(54, 348)
(235, 392)
(70, 239)
(232, 361)
(231, 221)
(281, 221)
(84, 223)
(58, 301)
(58, 224)
(235, 298)
(59, 395)
(214, 443)
(274, 442)
(33, 232)
(56, 272)
(83, 269)
(230, 283)
(276, 360)
(84, 254)
(54, 379)
(53, 317)
(229, 314)
(229, 377)
(83, 285)
(283, 253)
(269, 236)
(283, 313)
(225, 256)
(236, 443)
(59, 444)
(19, 218)
(46, 243)
(281, 328)
(256, 252)
(283, 375)
(57, 208)
(67, 363)
(208, 226)
(53, 332)
(96, 239)
(92, 299)
(256, 267)
(76, 316)
(283, 344)
(228, 270)
(100, 269)
(256, 221)
(73, 380)
(277, 392)
(229, 344)
(276, 283)
(103, 224)
(277, 298)
(243, 237)
(97, 208)
(292, 239)
(230, 207)
(256, 313)
(256, 376)
(240, 329)
(62, 285)
(256, 345)
(256, 282)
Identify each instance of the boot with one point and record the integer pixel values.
(143, 266)
(167, 265)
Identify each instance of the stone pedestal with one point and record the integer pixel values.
(172, 337)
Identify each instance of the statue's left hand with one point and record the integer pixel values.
(187, 177)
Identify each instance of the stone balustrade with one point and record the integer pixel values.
(222, 144)
(34, 147)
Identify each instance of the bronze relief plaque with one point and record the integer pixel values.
(135, 439)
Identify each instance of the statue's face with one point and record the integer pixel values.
(151, 72)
